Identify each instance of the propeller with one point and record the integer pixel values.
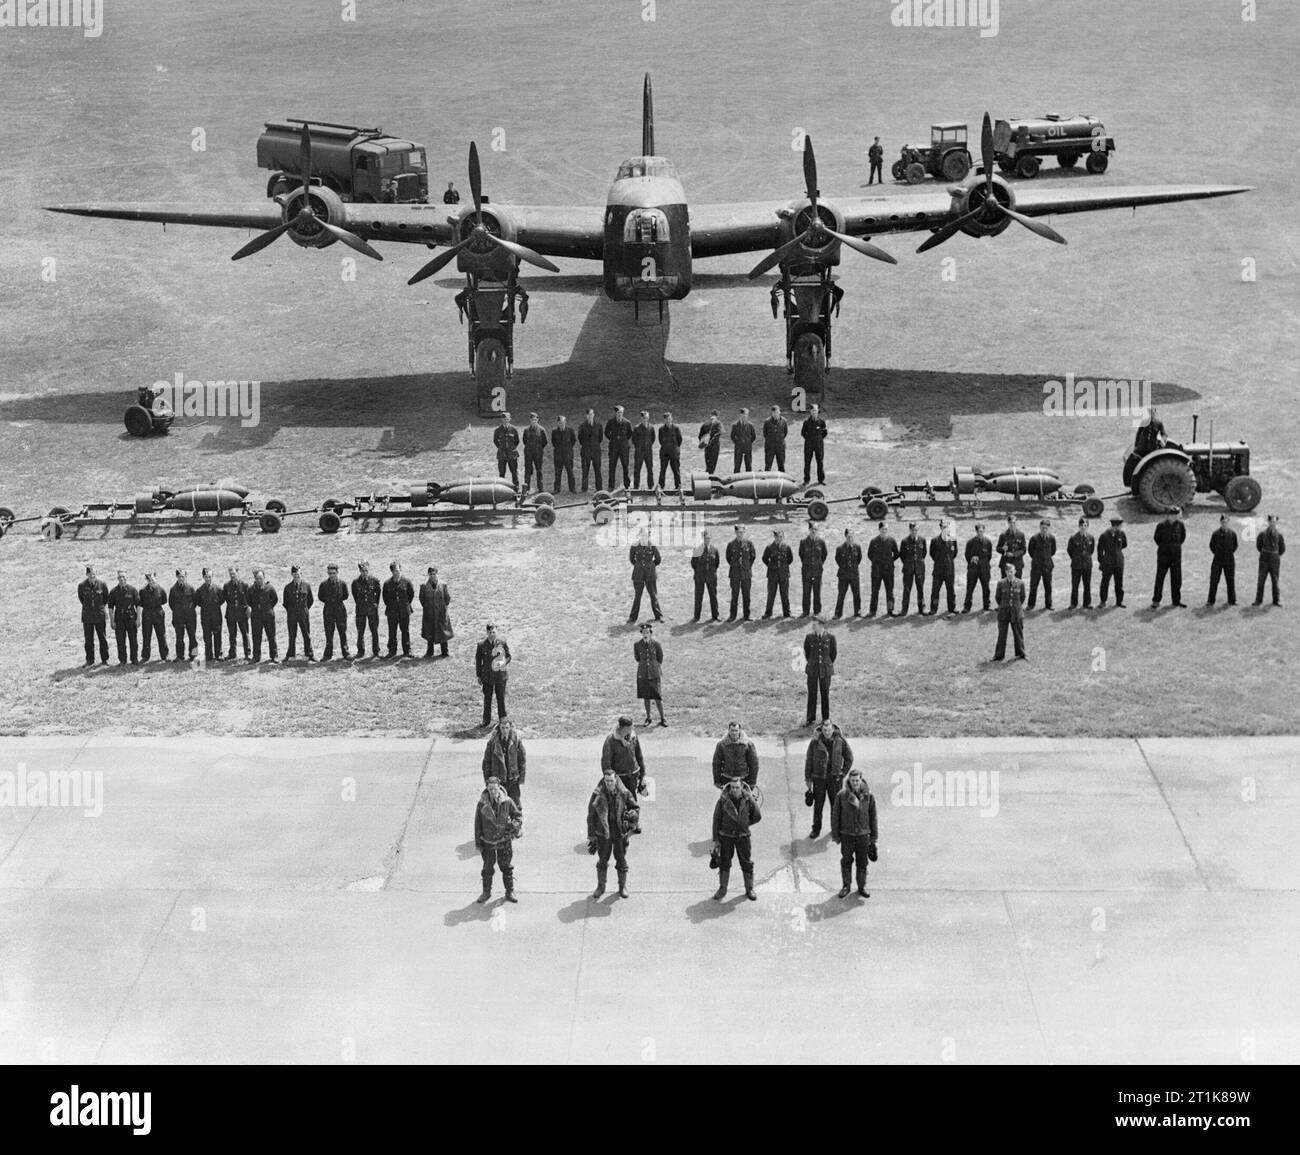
(817, 228)
(991, 203)
(305, 214)
(480, 232)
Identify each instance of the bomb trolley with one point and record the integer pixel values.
(211, 503)
(428, 501)
(760, 489)
(978, 490)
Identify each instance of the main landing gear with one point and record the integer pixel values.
(808, 303)
(492, 308)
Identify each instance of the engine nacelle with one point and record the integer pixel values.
(820, 251)
(481, 256)
(967, 198)
(325, 206)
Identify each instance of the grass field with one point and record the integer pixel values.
(364, 383)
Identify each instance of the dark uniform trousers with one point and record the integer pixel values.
(494, 685)
(264, 627)
(812, 590)
(1225, 568)
(618, 455)
(299, 621)
(709, 583)
(882, 576)
(740, 847)
(643, 455)
(818, 683)
(740, 587)
(814, 450)
(185, 627)
(502, 856)
(1040, 574)
(778, 585)
(615, 846)
(846, 582)
(911, 577)
(649, 584)
(91, 631)
(1081, 575)
(824, 792)
(563, 465)
(711, 453)
(336, 622)
(366, 602)
(154, 627)
(1109, 573)
(1171, 564)
(589, 448)
(854, 847)
(1270, 566)
(977, 573)
(126, 631)
(237, 623)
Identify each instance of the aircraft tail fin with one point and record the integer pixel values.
(647, 119)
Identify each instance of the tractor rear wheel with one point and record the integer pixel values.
(1027, 167)
(1242, 494)
(915, 172)
(1165, 483)
(1097, 162)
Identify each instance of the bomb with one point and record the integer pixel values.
(1018, 481)
(471, 491)
(760, 483)
(204, 500)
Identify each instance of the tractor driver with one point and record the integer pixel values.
(1150, 434)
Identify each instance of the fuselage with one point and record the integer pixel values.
(647, 246)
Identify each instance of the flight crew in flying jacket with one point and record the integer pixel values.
(92, 593)
(180, 600)
(853, 826)
(814, 444)
(828, 759)
(645, 561)
(1223, 545)
(618, 436)
(710, 441)
(1081, 547)
(621, 753)
(670, 452)
(778, 557)
(882, 552)
(1169, 537)
(506, 438)
(979, 558)
(775, 430)
(234, 596)
(153, 600)
(1042, 560)
(208, 599)
(297, 600)
(848, 563)
(506, 760)
(590, 435)
(643, 446)
(943, 553)
(912, 551)
(124, 600)
(735, 756)
(262, 600)
(398, 594)
(736, 811)
(1271, 545)
(333, 595)
(1011, 546)
(562, 441)
(610, 810)
(812, 560)
(534, 439)
(365, 605)
(743, 436)
(741, 556)
(1110, 560)
(704, 562)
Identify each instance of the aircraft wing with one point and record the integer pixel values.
(263, 215)
(720, 229)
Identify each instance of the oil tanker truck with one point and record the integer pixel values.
(1019, 145)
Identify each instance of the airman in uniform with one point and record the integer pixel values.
(491, 667)
(979, 558)
(506, 438)
(590, 435)
(180, 599)
(882, 552)
(562, 442)
(622, 754)
(819, 653)
(1169, 537)
(1010, 596)
(365, 601)
(848, 561)
(618, 435)
(1223, 545)
(262, 600)
(735, 757)
(435, 621)
(778, 557)
(1012, 545)
(153, 600)
(775, 430)
(1081, 547)
(643, 447)
(208, 598)
(92, 593)
(534, 439)
(398, 594)
(913, 551)
(297, 600)
(736, 811)
(853, 826)
(710, 441)
(124, 601)
(741, 556)
(234, 596)
(506, 760)
(670, 452)
(812, 559)
(610, 811)
(333, 595)
(497, 823)
(705, 562)
(1042, 554)
(813, 433)
(645, 561)
(828, 759)
(743, 436)
(1110, 560)
(943, 553)
(1271, 545)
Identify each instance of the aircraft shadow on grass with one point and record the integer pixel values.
(613, 356)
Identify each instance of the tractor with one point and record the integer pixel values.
(947, 158)
(150, 414)
(1172, 474)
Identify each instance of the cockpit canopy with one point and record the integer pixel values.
(646, 166)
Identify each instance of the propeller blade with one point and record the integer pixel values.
(524, 253)
(476, 183)
(1036, 226)
(304, 158)
(866, 248)
(810, 173)
(949, 230)
(775, 257)
(986, 155)
(438, 263)
(350, 239)
(259, 242)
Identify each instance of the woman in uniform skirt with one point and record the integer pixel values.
(649, 656)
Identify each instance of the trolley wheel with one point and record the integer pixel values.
(330, 521)
(543, 499)
(1086, 490)
(544, 515)
(818, 510)
(57, 511)
(275, 505)
(602, 514)
(51, 529)
(869, 492)
(138, 421)
(877, 509)
(6, 517)
(270, 522)
(1094, 507)
(600, 497)
(814, 493)
(326, 505)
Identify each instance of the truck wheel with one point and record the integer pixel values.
(956, 165)
(898, 170)
(544, 515)
(275, 505)
(818, 510)
(1097, 163)
(330, 521)
(1067, 159)
(138, 421)
(1027, 167)
(914, 173)
(602, 514)
(1166, 482)
(1094, 507)
(877, 509)
(1241, 495)
(270, 522)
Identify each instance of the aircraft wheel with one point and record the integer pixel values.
(915, 172)
(810, 364)
(270, 522)
(330, 521)
(602, 514)
(1241, 495)
(1027, 167)
(138, 421)
(877, 509)
(544, 515)
(1097, 163)
(275, 505)
(818, 510)
(489, 366)
(1094, 507)
(1165, 483)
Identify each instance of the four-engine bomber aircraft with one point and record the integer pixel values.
(647, 239)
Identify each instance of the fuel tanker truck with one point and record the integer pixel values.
(433, 501)
(1019, 146)
(975, 487)
(214, 501)
(705, 492)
